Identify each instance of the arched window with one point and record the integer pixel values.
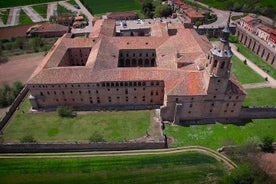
(222, 65)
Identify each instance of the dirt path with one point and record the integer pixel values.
(228, 163)
(19, 68)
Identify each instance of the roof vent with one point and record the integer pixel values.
(147, 43)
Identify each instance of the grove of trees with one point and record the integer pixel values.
(9, 93)
(155, 8)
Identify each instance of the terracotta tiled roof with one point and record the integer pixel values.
(115, 15)
(193, 13)
(48, 27)
(248, 19)
(266, 29)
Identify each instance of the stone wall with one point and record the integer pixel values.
(256, 45)
(214, 31)
(258, 112)
(55, 148)
(13, 107)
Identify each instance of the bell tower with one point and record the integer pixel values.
(220, 63)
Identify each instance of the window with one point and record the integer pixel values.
(41, 93)
(157, 83)
(215, 63)
(213, 104)
(48, 92)
(218, 80)
(189, 112)
(62, 92)
(71, 92)
(191, 105)
(156, 93)
(211, 110)
(215, 96)
(176, 100)
(79, 92)
(237, 97)
(97, 91)
(222, 65)
(126, 91)
(151, 93)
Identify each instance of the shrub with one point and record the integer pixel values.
(241, 175)
(96, 137)
(27, 139)
(8, 94)
(266, 145)
(65, 111)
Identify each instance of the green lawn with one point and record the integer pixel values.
(260, 97)
(164, 168)
(41, 9)
(12, 3)
(63, 11)
(4, 15)
(24, 19)
(49, 127)
(244, 73)
(217, 135)
(257, 60)
(99, 7)
(72, 2)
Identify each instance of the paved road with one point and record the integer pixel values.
(34, 16)
(13, 16)
(51, 10)
(271, 80)
(89, 16)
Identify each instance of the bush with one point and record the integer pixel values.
(241, 175)
(27, 139)
(65, 111)
(8, 94)
(266, 145)
(96, 137)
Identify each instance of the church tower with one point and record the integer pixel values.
(220, 63)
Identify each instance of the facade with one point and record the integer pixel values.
(272, 39)
(173, 69)
(264, 32)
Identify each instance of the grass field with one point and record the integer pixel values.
(97, 7)
(41, 9)
(64, 11)
(217, 135)
(12, 3)
(24, 19)
(168, 168)
(260, 97)
(49, 127)
(243, 73)
(4, 15)
(257, 60)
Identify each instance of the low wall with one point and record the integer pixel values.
(55, 148)
(13, 107)
(258, 112)
(214, 31)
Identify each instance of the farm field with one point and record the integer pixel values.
(166, 168)
(49, 127)
(260, 97)
(244, 73)
(217, 135)
(97, 7)
(12, 3)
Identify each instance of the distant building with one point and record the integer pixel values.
(250, 23)
(190, 14)
(272, 39)
(173, 69)
(264, 32)
(46, 30)
(128, 15)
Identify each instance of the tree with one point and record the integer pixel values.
(198, 23)
(65, 111)
(27, 139)
(96, 137)
(266, 145)
(241, 175)
(162, 11)
(148, 8)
